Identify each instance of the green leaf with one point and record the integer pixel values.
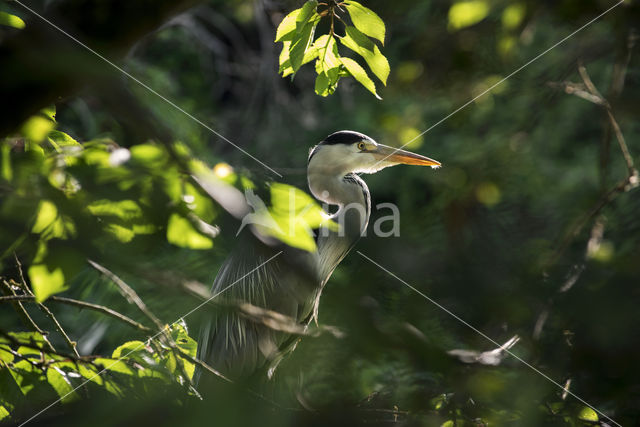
(466, 13)
(300, 45)
(51, 224)
(148, 155)
(293, 214)
(52, 269)
(287, 27)
(11, 21)
(49, 112)
(36, 128)
(4, 413)
(306, 12)
(114, 365)
(5, 166)
(359, 74)
(182, 233)
(512, 15)
(47, 214)
(363, 46)
(588, 414)
(60, 139)
(58, 380)
(46, 282)
(285, 63)
(366, 20)
(186, 344)
(128, 349)
(328, 57)
(322, 84)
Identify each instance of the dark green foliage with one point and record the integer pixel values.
(524, 231)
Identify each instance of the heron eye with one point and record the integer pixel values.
(361, 145)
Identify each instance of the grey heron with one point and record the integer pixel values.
(291, 284)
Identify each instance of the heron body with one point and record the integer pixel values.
(287, 280)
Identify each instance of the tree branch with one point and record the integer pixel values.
(128, 292)
(81, 304)
(50, 315)
(22, 312)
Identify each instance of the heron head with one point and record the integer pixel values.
(347, 151)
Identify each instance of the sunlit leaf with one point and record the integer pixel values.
(466, 13)
(58, 380)
(359, 74)
(363, 46)
(322, 84)
(60, 139)
(11, 21)
(306, 13)
(299, 46)
(588, 414)
(47, 214)
(36, 128)
(512, 15)
(293, 215)
(4, 413)
(287, 27)
(366, 20)
(328, 57)
(5, 165)
(148, 155)
(51, 224)
(50, 112)
(52, 270)
(128, 348)
(186, 344)
(181, 232)
(285, 63)
(114, 365)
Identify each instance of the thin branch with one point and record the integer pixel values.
(43, 350)
(72, 344)
(128, 293)
(577, 226)
(19, 265)
(133, 298)
(81, 304)
(633, 173)
(23, 313)
(202, 364)
(50, 315)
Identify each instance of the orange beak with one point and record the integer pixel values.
(398, 156)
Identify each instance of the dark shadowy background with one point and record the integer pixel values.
(517, 233)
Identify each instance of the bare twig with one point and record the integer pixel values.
(72, 344)
(128, 293)
(202, 364)
(633, 173)
(23, 313)
(133, 298)
(19, 343)
(81, 304)
(577, 226)
(52, 317)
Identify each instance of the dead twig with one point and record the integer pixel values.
(81, 304)
(25, 288)
(23, 313)
(202, 364)
(128, 292)
(72, 344)
(633, 172)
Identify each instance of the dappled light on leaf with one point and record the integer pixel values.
(466, 13)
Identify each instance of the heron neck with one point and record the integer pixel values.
(349, 193)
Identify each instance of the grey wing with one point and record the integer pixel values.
(282, 280)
